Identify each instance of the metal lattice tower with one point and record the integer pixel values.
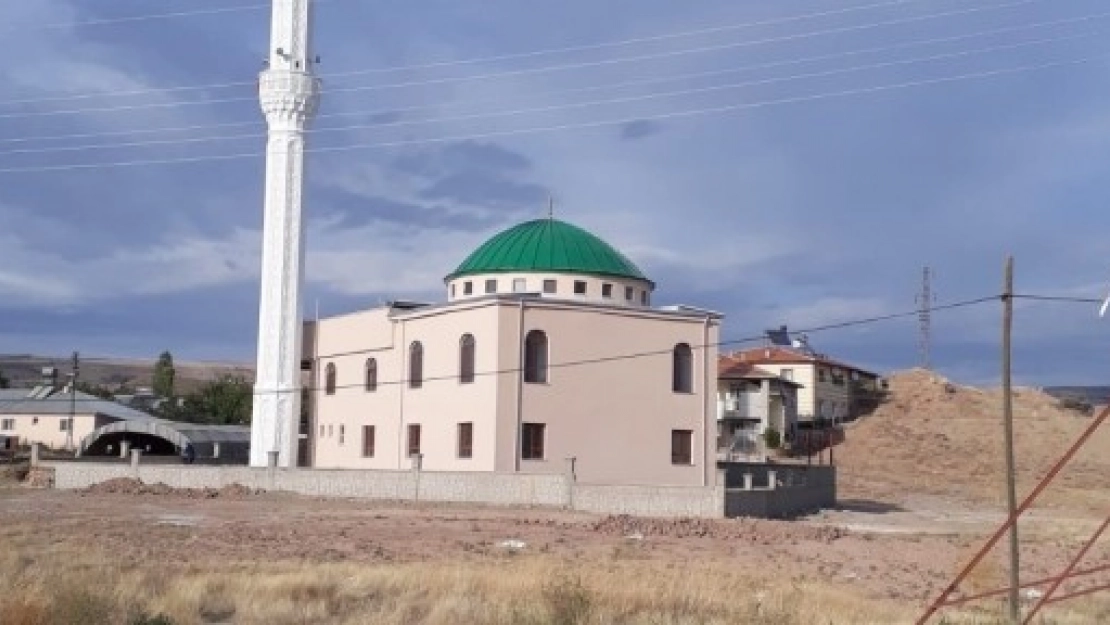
(925, 300)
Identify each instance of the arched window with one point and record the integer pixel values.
(682, 369)
(535, 357)
(416, 365)
(329, 379)
(371, 375)
(466, 359)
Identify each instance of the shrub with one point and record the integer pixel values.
(568, 601)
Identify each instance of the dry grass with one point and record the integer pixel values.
(49, 589)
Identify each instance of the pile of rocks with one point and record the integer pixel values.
(129, 486)
(741, 529)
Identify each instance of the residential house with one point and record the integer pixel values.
(751, 401)
(830, 391)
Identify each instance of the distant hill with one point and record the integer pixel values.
(1093, 395)
(25, 370)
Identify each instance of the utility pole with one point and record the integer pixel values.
(289, 95)
(925, 301)
(1008, 429)
(75, 368)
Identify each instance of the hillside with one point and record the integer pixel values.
(25, 370)
(933, 437)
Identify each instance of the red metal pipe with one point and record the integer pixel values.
(1032, 584)
(1079, 593)
(1045, 481)
(1067, 571)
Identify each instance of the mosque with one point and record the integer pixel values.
(547, 356)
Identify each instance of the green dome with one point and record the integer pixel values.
(547, 245)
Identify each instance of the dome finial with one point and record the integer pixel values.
(550, 206)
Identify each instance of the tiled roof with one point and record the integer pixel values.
(782, 355)
(729, 368)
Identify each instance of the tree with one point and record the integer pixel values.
(224, 401)
(4, 382)
(163, 375)
(94, 390)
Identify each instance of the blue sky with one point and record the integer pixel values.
(797, 207)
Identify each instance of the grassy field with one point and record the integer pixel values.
(41, 585)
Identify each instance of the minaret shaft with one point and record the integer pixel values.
(289, 95)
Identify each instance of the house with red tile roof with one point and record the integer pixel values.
(751, 401)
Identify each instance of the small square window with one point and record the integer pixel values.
(468, 288)
(607, 291)
(682, 446)
(519, 285)
(579, 287)
(491, 286)
(550, 286)
(531, 441)
(629, 293)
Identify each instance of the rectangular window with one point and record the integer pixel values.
(629, 293)
(468, 287)
(607, 291)
(531, 441)
(787, 374)
(491, 286)
(342, 432)
(452, 290)
(682, 446)
(550, 286)
(820, 374)
(414, 440)
(63, 424)
(367, 441)
(7, 424)
(519, 285)
(321, 430)
(644, 298)
(579, 287)
(466, 440)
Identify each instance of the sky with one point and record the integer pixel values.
(790, 162)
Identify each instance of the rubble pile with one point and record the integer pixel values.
(740, 529)
(129, 486)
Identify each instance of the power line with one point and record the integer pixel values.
(554, 107)
(568, 126)
(151, 16)
(1059, 298)
(635, 355)
(501, 57)
(526, 71)
(629, 83)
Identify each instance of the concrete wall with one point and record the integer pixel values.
(797, 490)
(549, 490)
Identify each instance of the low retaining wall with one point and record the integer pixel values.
(796, 490)
(511, 489)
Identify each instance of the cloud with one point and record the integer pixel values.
(640, 129)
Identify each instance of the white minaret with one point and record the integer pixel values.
(289, 94)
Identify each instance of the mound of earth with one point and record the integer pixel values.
(935, 437)
(129, 486)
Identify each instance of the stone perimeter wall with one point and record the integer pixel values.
(549, 490)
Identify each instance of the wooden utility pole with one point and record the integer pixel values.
(1008, 428)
